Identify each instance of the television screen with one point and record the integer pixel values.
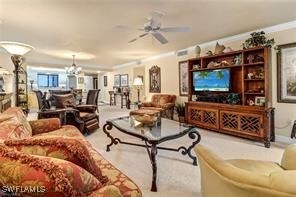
(212, 80)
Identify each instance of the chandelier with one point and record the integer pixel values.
(73, 69)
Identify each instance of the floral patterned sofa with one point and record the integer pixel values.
(43, 156)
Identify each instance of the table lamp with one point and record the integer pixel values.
(138, 83)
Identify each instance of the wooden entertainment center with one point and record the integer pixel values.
(243, 107)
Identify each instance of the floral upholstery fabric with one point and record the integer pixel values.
(107, 191)
(45, 125)
(62, 148)
(57, 177)
(12, 128)
(159, 100)
(64, 131)
(17, 112)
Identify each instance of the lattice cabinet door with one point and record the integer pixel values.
(250, 124)
(205, 117)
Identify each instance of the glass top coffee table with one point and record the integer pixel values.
(163, 130)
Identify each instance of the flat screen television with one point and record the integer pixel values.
(217, 80)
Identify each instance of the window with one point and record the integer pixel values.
(47, 80)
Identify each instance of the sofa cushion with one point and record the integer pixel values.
(69, 149)
(12, 128)
(45, 125)
(54, 176)
(13, 124)
(63, 101)
(262, 167)
(64, 131)
(19, 114)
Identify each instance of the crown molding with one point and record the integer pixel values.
(270, 29)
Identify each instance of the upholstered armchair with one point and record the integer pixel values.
(91, 104)
(245, 178)
(77, 115)
(163, 102)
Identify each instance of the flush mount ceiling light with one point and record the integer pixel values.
(73, 69)
(16, 48)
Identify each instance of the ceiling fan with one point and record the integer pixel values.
(153, 27)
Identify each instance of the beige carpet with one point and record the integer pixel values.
(176, 174)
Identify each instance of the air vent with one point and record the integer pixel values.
(181, 53)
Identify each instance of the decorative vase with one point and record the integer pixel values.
(197, 51)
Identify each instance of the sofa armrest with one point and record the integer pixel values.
(45, 125)
(146, 104)
(289, 158)
(86, 108)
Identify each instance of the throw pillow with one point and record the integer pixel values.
(64, 101)
(69, 149)
(43, 175)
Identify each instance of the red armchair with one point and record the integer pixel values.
(165, 103)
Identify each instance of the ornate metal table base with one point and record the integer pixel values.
(151, 147)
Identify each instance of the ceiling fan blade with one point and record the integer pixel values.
(128, 28)
(160, 37)
(132, 40)
(140, 36)
(174, 29)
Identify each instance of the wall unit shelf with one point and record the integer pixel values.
(252, 117)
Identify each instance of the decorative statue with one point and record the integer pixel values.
(219, 48)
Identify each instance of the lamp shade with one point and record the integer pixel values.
(16, 48)
(138, 81)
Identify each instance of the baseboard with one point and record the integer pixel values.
(284, 139)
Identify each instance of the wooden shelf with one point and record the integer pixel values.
(254, 79)
(254, 49)
(254, 93)
(214, 68)
(255, 64)
(223, 54)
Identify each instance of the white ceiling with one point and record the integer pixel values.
(59, 28)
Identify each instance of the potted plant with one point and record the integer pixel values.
(180, 109)
(258, 39)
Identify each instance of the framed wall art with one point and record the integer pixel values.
(154, 80)
(117, 80)
(124, 80)
(105, 81)
(286, 73)
(183, 78)
(80, 80)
